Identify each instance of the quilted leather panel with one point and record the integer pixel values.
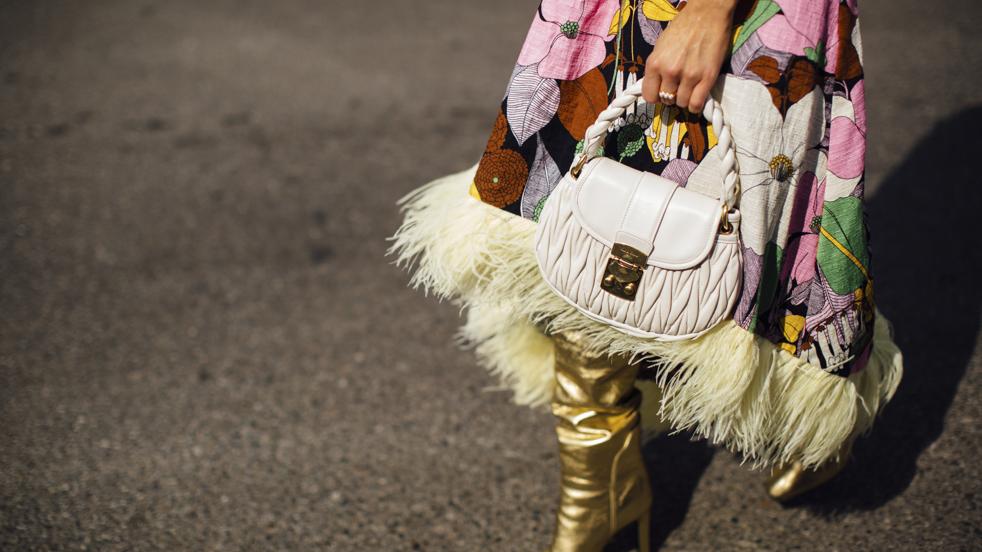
(671, 303)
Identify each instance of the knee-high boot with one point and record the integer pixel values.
(605, 484)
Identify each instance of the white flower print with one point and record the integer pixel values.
(772, 154)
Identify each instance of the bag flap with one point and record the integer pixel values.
(674, 226)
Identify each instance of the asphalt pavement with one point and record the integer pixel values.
(203, 347)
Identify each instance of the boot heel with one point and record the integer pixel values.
(644, 532)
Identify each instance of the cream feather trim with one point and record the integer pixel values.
(732, 387)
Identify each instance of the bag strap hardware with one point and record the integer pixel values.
(724, 221)
(578, 167)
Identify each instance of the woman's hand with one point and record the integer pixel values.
(689, 54)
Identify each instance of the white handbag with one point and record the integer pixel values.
(636, 250)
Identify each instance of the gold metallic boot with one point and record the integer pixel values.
(789, 481)
(605, 484)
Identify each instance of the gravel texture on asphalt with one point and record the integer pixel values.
(203, 346)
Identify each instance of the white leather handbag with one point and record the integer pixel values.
(636, 250)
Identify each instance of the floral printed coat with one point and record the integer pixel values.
(794, 98)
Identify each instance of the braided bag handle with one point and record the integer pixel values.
(712, 111)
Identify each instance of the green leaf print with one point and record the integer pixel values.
(537, 211)
(764, 10)
(630, 140)
(816, 54)
(767, 288)
(599, 150)
(842, 253)
(773, 255)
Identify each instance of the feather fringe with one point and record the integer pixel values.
(729, 386)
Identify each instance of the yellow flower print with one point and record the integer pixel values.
(863, 300)
(655, 10)
(665, 133)
(621, 17)
(793, 325)
(659, 10)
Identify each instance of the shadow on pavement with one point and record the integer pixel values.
(926, 266)
(676, 464)
(926, 262)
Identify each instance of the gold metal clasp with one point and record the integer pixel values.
(578, 167)
(624, 269)
(724, 220)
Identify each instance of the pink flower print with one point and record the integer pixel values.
(567, 37)
(800, 28)
(858, 98)
(847, 134)
(847, 148)
(847, 144)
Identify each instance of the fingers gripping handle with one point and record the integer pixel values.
(713, 113)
